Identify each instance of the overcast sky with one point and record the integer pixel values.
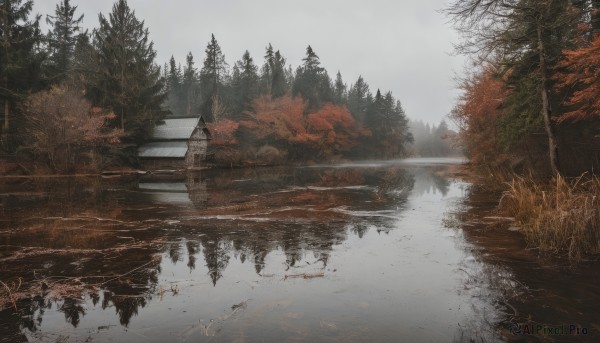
(398, 45)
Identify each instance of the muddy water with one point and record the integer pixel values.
(380, 251)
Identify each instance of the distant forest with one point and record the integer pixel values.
(74, 99)
(432, 140)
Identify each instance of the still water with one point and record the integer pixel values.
(339, 253)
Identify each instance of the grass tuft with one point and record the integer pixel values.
(560, 217)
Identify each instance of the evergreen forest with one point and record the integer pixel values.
(75, 100)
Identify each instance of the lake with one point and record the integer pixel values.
(377, 251)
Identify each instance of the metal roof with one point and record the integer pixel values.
(180, 128)
(163, 149)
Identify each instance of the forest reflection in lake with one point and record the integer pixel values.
(327, 253)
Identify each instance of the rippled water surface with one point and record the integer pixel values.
(351, 252)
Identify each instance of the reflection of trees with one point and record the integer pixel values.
(65, 197)
(297, 237)
(73, 309)
(192, 249)
(28, 317)
(360, 230)
(216, 255)
(126, 306)
(174, 250)
(395, 183)
(428, 181)
(307, 220)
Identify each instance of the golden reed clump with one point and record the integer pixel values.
(561, 217)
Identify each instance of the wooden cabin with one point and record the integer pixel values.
(178, 143)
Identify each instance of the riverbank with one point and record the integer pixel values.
(559, 217)
(532, 288)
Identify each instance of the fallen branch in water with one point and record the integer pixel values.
(124, 274)
(304, 276)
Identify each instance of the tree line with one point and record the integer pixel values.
(532, 101)
(433, 140)
(289, 115)
(71, 97)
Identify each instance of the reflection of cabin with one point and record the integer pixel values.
(192, 191)
(179, 143)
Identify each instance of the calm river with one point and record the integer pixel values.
(366, 252)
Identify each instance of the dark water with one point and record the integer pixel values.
(381, 251)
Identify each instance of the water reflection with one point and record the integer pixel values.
(133, 245)
(528, 289)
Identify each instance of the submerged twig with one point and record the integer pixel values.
(305, 276)
(129, 272)
(9, 292)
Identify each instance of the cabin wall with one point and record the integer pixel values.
(197, 148)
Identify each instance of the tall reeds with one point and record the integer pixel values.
(561, 217)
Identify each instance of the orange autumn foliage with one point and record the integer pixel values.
(477, 114)
(223, 132)
(282, 123)
(583, 76)
(276, 119)
(336, 128)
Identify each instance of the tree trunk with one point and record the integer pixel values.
(6, 115)
(546, 111)
(6, 46)
(595, 18)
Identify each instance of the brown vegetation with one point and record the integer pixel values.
(64, 133)
(562, 217)
(582, 75)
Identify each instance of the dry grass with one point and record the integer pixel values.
(561, 217)
(13, 288)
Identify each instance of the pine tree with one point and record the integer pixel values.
(84, 64)
(245, 84)
(212, 77)
(375, 114)
(173, 82)
(401, 124)
(279, 85)
(340, 93)
(62, 38)
(357, 99)
(20, 60)
(312, 81)
(126, 78)
(266, 73)
(190, 88)
(274, 78)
